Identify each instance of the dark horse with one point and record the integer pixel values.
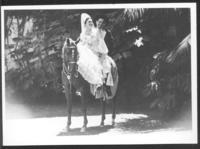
(72, 79)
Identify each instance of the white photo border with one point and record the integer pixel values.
(191, 139)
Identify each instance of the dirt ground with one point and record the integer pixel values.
(43, 124)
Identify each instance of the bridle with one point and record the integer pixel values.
(66, 68)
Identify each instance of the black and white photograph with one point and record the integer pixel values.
(92, 74)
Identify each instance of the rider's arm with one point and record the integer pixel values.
(100, 45)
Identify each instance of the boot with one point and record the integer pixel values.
(108, 90)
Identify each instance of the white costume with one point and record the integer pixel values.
(88, 63)
(106, 61)
(94, 64)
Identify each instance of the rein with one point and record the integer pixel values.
(68, 75)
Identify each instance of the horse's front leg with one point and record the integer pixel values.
(84, 110)
(103, 105)
(69, 108)
(113, 111)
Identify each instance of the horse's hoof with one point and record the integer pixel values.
(102, 124)
(67, 129)
(83, 129)
(113, 123)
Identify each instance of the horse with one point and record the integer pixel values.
(71, 78)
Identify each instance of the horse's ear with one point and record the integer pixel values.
(68, 41)
(77, 41)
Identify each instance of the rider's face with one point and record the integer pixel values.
(100, 23)
(89, 23)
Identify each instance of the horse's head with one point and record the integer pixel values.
(70, 55)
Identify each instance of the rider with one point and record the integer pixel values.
(106, 36)
(101, 23)
(94, 64)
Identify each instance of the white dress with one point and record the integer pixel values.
(89, 65)
(94, 64)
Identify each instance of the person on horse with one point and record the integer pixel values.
(101, 22)
(94, 64)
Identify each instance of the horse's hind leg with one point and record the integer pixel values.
(84, 110)
(103, 104)
(113, 111)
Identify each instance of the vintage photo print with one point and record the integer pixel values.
(88, 74)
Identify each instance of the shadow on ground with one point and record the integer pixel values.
(146, 125)
(142, 125)
(95, 130)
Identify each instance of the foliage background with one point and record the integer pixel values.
(151, 49)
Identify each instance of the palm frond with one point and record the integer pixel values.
(182, 48)
(134, 13)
